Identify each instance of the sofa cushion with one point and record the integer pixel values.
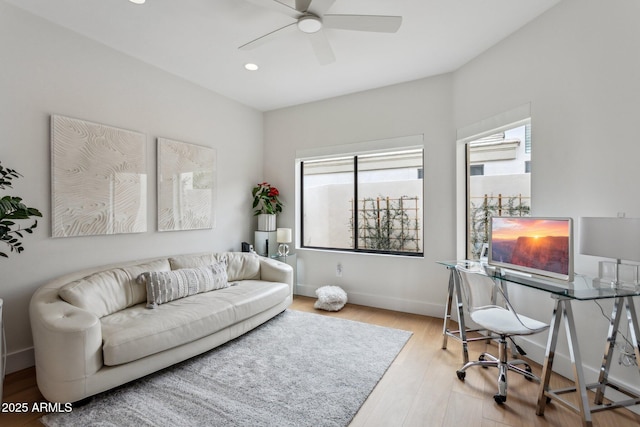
(109, 291)
(240, 265)
(192, 261)
(136, 332)
(165, 286)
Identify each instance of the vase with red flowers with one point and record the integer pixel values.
(266, 205)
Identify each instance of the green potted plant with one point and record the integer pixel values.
(11, 210)
(267, 205)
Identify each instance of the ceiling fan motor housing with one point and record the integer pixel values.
(310, 18)
(309, 23)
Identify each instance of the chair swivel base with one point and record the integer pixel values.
(487, 360)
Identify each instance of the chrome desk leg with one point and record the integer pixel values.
(454, 291)
(563, 312)
(576, 360)
(550, 352)
(634, 329)
(447, 309)
(461, 326)
(614, 325)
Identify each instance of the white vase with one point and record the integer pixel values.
(266, 222)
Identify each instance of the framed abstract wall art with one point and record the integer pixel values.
(99, 179)
(186, 186)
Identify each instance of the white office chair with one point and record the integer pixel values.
(477, 290)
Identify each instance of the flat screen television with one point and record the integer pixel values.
(533, 245)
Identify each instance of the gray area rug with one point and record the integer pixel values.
(298, 369)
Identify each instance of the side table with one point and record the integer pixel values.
(265, 243)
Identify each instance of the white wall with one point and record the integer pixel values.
(47, 70)
(419, 107)
(578, 67)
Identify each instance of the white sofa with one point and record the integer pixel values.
(94, 329)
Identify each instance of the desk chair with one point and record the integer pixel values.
(477, 289)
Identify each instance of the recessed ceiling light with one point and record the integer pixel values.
(251, 67)
(137, 1)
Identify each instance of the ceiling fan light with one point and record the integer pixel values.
(251, 67)
(137, 1)
(309, 24)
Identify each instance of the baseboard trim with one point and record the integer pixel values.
(19, 360)
(377, 301)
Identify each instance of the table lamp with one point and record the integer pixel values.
(617, 238)
(283, 236)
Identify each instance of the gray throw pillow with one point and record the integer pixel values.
(165, 286)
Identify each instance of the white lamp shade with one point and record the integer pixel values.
(617, 238)
(283, 235)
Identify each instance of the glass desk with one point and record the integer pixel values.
(564, 293)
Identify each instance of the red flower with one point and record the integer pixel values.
(265, 199)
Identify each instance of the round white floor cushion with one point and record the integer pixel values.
(330, 298)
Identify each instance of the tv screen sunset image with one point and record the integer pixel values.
(541, 244)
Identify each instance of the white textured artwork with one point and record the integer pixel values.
(186, 183)
(99, 179)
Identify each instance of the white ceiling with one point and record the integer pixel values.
(199, 39)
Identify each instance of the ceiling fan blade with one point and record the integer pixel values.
(302, 5)
(320, 7)
(375, 23)
(276, 6)
(322, 48)
(268, 37)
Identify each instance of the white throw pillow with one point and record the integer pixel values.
(330, 298)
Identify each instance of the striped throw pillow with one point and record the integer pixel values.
(165, 286)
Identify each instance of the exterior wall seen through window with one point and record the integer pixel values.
(364, 203)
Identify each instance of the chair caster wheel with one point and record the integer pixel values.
(528, 369)
(482, 359)
(461, 375)
(499, 399)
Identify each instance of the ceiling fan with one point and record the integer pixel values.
(311, 19)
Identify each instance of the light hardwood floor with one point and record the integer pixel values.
(419, 389)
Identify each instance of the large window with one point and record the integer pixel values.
(363, 203)
(504, 187)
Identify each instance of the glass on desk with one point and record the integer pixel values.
(581, 288)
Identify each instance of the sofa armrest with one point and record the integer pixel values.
(276, 271)
(67, 339)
